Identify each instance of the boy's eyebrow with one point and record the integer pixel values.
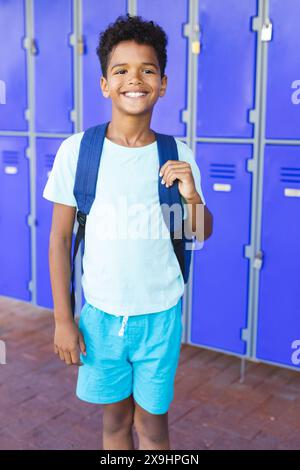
(144, 63)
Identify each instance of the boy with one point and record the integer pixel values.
(129, 331)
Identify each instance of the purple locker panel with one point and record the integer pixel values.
(96, 17)
(226, 70)
(45, 154)
(283, 86)
(53, 66)
(167, 112)
(220, 276)
(13, 91)
(279, 300)
(15, 272)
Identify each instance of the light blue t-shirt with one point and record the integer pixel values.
(129, 264)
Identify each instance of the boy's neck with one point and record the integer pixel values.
(130, 132)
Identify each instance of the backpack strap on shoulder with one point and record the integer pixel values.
(167, 150)
(86, 178)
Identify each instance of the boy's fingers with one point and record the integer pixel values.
(82, 344)
(61, 354)
(68, 359)
(75, 358)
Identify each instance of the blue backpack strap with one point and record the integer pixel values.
(85, 184)
(167, 150)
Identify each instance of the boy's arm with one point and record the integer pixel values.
(199, 220)
(60, 244)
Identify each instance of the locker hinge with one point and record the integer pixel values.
(258, 260)
(73, 115)
(245, 334)
(27, 114)
(266, 31)
(31, 45)
(185, 115)
(28, 153)
(30, 285)
(193, 31)
(256, 22)
(250, 164)
(252, 116)
(248, 251)
(265, 28)
(31, 221)
(78, 43)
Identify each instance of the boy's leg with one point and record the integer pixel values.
(152, 429)
(117, 425)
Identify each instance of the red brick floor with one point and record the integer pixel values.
(211, 409)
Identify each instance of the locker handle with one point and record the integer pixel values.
(258, 260)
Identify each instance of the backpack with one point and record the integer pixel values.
(85, 189)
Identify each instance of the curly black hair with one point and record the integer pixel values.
(128, 27)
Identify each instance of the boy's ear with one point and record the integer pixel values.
(163, 87)
(104, 87)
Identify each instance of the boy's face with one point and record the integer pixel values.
(140, 72)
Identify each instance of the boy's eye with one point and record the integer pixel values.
(124, 71)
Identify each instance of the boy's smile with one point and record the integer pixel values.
(134, 81)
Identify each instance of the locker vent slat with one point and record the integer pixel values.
(222, 170)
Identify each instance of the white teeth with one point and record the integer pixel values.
(134, 94)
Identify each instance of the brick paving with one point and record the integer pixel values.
(212, 408)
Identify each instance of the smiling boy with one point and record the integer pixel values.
(129, 331)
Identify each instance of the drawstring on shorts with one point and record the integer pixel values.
(121, 332)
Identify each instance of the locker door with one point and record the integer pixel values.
(226, 71)
(53, 66)
(167, 112)
(283, 84)
(96, 17)
(45, 154)
(279, 301)
(220, 271)
(13, 99)
(15, 272)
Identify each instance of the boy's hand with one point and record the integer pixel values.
(67, 338)
(174, 169)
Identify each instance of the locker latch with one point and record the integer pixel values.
(257, 263)
(266, 31)
(81, 46)
(31, 45)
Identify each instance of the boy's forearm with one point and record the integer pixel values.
(199, 220)
(60, 274)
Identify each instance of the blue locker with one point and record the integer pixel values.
(15, 250)
(226, 70)
(220, 275)
(167, 116)
(53, 65)
(279, 302)
(283, 85)
(96, 17)
(45, 154)
(13, 66)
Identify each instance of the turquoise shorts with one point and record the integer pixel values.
(136, 354)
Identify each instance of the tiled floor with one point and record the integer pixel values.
(212, 409)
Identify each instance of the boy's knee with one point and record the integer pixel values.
(118, 417)
(153, 428)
